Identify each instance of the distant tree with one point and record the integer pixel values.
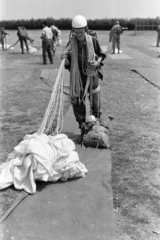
(65, 23)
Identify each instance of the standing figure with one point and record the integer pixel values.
(83, 60)
(115, 33)
(59, 37)
(23, 36)
(47, 43)
(3, 36)
(55, 32)
(158, 36)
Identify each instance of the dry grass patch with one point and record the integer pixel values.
(135, 138)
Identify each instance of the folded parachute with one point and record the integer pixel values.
(41, 157)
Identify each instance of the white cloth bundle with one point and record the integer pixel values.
(6, 46)
(30, 48)
(41, 157)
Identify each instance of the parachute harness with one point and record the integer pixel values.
(52, 122)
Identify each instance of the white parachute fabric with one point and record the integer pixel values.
(45, 155)
(6, 46)
(45, 158)
(30, 49)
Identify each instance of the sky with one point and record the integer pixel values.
(90, 9)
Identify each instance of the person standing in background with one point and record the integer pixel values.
(3, 36)
(115, 33)
(55, 32)
(46, 43)
(23, 36)
(158, 36)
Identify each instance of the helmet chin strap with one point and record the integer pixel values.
(72, 32)
(86, 29)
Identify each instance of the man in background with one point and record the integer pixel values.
(3, 36)
(158, 36)
(47, 43)
(55, 32)
(115, 33)
(23, 36)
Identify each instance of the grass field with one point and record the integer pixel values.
(134, 134)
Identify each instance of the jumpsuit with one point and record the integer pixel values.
(79, 109)
(115, 33)
(158, 37)
(23, 41)
(3, 37)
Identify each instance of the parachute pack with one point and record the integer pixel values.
(95, 133)
(92, 33)
(23, 32)
(119, 30)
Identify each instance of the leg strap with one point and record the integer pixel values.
(96, 89)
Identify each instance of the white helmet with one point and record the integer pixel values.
(79, 22)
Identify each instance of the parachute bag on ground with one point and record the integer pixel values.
(95, 135)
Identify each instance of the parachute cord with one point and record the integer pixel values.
(54, 110)
(55, 107)
(60, 114)
(12, 45)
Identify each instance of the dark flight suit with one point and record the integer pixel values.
(79, 109)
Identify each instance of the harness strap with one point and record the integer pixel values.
(91, 94)
(12, 45)
(86, 88)
(96, 89)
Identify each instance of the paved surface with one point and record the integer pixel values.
(76, 209)
(119, 56)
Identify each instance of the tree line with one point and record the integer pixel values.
(65, 23)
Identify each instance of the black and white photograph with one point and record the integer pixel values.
(80, 120)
